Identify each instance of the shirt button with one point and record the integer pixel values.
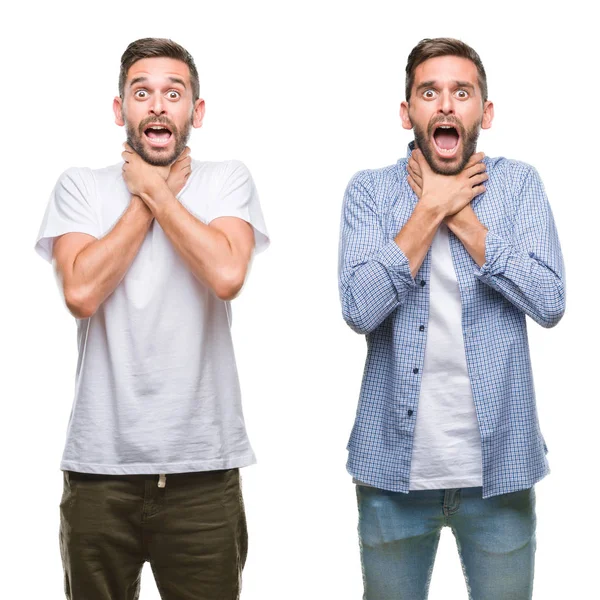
(422, 328)
(409, 412)
(415, 370)
(422, 282)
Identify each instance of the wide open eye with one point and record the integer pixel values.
(429, 94)
(141, 94)
(173, 95)
(462, 94)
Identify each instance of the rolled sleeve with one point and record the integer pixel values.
(375, 276)
(527, 269)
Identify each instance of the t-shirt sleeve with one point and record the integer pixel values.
(70, 209)
(238, 198)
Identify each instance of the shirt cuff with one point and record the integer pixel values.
(396, 264)
(497, 252)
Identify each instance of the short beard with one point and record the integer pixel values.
(424, 141)
(134, 139)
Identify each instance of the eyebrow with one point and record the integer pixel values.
(428, 84)
(142, 79)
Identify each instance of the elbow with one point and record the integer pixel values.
(356, 321)
(551, 317)
(80, 303)
(553, 311)
(357, 328)
(230, 284)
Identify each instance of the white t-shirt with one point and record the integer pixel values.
(447, 443)
(156, 387)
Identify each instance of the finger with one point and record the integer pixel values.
(417, 177)
(475, 158)
(422, 164)
(414, 164)
(185, 155)
(417, 155)
(415, 188)
(477, 179)
(475, 169)
(478, 190)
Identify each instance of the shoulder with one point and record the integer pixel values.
(373, 181)
(76, 181)
(219, 170)
(513, 173)
(89, 177)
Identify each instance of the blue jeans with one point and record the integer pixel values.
(399, 535)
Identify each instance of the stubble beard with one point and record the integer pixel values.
(157, 158)
(468, 137)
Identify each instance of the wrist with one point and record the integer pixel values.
(158, 198)
(430, 209)
(139, 208)
(458, 223)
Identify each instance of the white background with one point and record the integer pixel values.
(305, 94)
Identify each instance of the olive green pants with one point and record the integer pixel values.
(192, 531)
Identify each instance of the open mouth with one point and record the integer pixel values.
(446, 139)
(158, 135)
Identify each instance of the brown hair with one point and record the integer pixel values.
(432, 48)
(153, 48)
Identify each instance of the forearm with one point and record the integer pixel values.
(206, 250)
(371, 289)
(415, 238)
(99, 268)
(472, 235)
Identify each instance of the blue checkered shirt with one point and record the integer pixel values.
(522, 275)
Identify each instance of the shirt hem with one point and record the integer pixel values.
(514, 484)
(158, 468)
(445, 484)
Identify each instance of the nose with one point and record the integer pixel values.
(446, 103)
(157, 106)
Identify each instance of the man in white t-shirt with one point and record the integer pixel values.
(442, 256)
(148, 253)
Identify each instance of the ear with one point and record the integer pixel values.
(488, 115)
(118, 110)
(198, 114)
(406, 122)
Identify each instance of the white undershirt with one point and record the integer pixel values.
(447, 444)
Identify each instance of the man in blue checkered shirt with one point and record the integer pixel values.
(442, 256)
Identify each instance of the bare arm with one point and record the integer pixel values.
(417, 234)
(88, 270)
(470, 231)
(217, 254)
